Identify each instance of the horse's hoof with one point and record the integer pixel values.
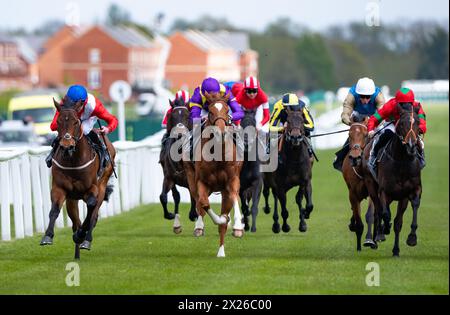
(370, 243)
(412, 240)
(169, 216)
(266, 210)
(253, 229)
(246, 227)
(302, 227)
(238, 233)
(276, 228)
(193, 216)
(77, 239)
(46, 240)
(286, 228)
(387, 229)
(380, 238)
(396, 253)
(177, 229)
(85, 245)
(199, 232)
(351, 227)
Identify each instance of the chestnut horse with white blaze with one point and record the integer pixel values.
(219, 174)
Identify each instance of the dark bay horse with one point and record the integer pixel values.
(217, 170)
(251, 177)
(294, 169)
(74, 177)
(353, 175)
(178, 125)
(399, 173)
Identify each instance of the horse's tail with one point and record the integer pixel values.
(108, 191)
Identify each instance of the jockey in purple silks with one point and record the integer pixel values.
(199, 105)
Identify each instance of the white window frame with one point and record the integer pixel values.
(94, 78)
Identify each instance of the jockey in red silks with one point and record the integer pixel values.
(181, 94)
(389, 111)
(92, 110)
(252, 97)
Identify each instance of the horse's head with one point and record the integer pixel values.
(295, 129)
(407, 127)
(69, 125)
(249, 120)
(357, 138)
(218, 110)
(179, 117)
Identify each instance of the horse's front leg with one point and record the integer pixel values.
(385, 216)
(302, 227)
(276, 225)
(256, 195)
(91, 198)
(368, 242)
(266, 192)
(308, 196)
(167, 185)
(245, 210)
(58, 196)
(356, 225)
(415, 202)
(176, 198)
(398, 222)
(232, 201)
(202, 205)
(284, 211)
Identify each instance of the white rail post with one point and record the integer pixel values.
(37, 194)
(5, 201)
(45, 187)
(26, 186)
(17, 198)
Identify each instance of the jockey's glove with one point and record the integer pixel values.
(371, 133)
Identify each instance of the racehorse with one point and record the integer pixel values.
(353, 176)
(74, 177)
(219, 174)
(178, 122)
(294, 169)
(251, 176)
(399, 174)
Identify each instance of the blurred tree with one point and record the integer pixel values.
(49, 27)
(285, 27)
(434, 55)
(203, 23)
(117, 15)
(316, 63)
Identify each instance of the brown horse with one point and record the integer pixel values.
(178, 125)
(74, 177)
(217, 170)
(399, 174)
(353, 176)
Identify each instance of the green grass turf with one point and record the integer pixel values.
(137, 252)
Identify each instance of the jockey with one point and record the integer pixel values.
(389, 111)
(363, 98)
(279, 115)
(92, 110)
(181, 94)
(199, 105)
(252, 97)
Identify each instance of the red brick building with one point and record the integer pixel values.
(195, 55)
(104, 54)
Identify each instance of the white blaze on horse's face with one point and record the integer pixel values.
(219, 106)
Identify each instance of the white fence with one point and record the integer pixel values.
(25, 183)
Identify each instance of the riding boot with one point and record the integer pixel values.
(48, 159)
(340, 155)
(378, 143)
(100, 148)
(421, 154)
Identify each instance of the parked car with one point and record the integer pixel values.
(18, 133)
(37, 107)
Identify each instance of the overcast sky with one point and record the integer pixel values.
(253, 14)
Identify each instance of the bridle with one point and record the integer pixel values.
(68, 136)
(357, 146)
(213, 122)
(410, 131)
(288, 135)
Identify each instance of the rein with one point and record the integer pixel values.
(411, 119)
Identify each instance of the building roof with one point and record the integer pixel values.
(4, 38)
(128, 36)
(207, 41)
